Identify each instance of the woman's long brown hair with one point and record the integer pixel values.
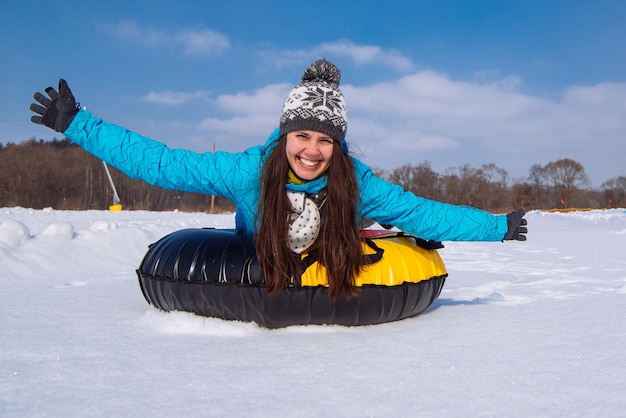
(339, 244)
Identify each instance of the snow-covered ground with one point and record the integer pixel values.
(520, 329)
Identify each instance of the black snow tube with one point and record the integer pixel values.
(213, 273)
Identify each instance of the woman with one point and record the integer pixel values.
(300, 191)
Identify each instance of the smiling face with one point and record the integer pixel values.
(309, 153)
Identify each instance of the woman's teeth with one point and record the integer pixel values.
(308, 162)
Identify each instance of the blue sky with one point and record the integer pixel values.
(514, 83)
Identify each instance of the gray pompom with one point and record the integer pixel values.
(322, 70)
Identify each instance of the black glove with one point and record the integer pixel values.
(58, 111)
(517, 226)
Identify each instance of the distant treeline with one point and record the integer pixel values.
(61, 175)
(559, 184)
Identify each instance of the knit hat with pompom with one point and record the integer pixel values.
(316, 104)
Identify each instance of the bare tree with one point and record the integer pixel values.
(615, 191)
(523, 196)
(538, 181)
(496, 191)
(568, 179)
(420, 179)
(485, 187)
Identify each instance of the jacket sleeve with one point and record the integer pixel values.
(142, 158)
(389, 203)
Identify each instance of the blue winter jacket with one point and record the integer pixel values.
(236, 176)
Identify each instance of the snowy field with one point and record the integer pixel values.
(520, 329)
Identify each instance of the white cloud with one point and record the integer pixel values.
(266, 100)
(174, 98)
(249, 116)
(367, 54)
(245, 125)
(469, 122)
(359, 54)
(201, 41)
(196, 41)
(493, 77)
